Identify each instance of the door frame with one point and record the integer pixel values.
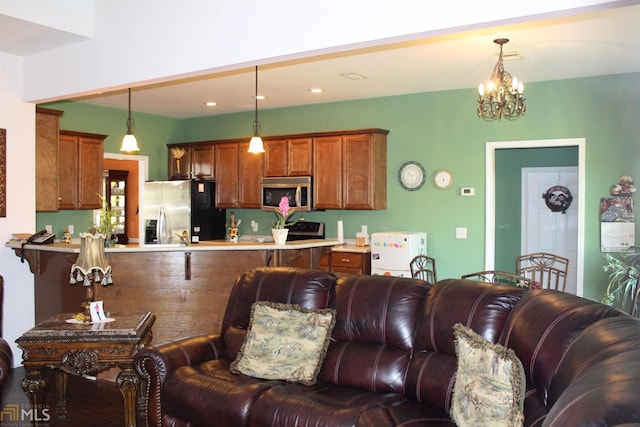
(490, 201)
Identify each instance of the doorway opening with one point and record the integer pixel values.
(138, 168)
(490, 219)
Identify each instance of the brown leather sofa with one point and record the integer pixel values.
(391, 360)
(6, 358)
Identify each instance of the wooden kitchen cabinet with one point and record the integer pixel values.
(47, 130)
(203, 157)
(198, 161)
(80, 169)
(227, 180)
(327, 172)
(350, 170)
(344, 262)
(288, 157)
(251, 171)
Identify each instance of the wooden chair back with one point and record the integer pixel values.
(423, 267)
(547, 271)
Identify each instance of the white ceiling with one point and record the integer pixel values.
(590, 44)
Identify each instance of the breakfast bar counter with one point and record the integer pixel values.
(185, 287)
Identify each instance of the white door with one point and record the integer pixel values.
(544, 230)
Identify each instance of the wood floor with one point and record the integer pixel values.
(90, 403)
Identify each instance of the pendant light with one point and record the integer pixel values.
(129, 142)
(255, 145)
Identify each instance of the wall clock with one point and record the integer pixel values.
(411, 175)
(443, 179)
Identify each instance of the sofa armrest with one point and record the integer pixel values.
(6, 361)
(155, 363)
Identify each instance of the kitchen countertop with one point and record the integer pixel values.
(212, 245)
(351, 248)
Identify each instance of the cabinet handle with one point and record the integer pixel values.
(187, 266)
(347, 260)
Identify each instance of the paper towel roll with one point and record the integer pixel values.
(340, 231)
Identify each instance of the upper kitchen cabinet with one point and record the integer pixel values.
(47, 130)
(80, 169)
(288, 157)
(189, 161)
(251, 171)
(350, 170)
(227, 180)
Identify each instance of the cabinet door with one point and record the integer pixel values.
(364, 171)
(227, 179)
(68, 171)
(275, 158)
(327, 176)
(251, 168)
(90, 166)
(300, 155)
(203, 161)
(47, 128)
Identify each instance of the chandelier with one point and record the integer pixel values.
(502, 95)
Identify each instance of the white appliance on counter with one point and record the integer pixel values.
(392, 251)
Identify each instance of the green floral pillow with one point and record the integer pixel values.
(285, 342)
(490, 383)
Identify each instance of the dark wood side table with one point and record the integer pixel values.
(79, 349)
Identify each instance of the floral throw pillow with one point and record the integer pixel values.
(490, 383)
(285, 342)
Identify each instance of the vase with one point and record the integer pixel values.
(279, 235)
(234, 234)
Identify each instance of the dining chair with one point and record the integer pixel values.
(499, 277)
(546, 270)
(423, 267)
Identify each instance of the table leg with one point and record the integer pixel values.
(129, 382)
(34, 384)
(61, 393)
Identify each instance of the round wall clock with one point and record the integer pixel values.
(443, 179)
(411, 175)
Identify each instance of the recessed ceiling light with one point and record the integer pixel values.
(210, 104)
(315, 90)
(260, 97)
(353, 76)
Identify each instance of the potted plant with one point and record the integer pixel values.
(283, 214)
(623, 270)
(106, 221)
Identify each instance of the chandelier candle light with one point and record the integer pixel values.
(502, 95)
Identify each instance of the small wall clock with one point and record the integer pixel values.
(443, 179)
(411, 175)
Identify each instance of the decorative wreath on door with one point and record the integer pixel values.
(558, 198)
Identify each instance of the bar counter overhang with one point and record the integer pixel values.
(186, 287)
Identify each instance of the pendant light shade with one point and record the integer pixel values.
(129, 142)
(255, 145)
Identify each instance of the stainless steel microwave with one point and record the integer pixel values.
(296, 188)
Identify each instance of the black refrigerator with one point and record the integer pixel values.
(207, 221)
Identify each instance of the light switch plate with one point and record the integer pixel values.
(461, 232)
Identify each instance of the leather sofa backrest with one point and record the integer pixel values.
(542, 327)
(600, 365)
(483, 307)
(372, 340)
(307, 288)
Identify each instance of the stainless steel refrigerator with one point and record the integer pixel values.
(173, 208)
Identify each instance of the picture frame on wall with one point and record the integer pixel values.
(3, 173)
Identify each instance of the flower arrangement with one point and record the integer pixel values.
(283, 213)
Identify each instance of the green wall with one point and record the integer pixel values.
(509, 163)
(440, 130)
